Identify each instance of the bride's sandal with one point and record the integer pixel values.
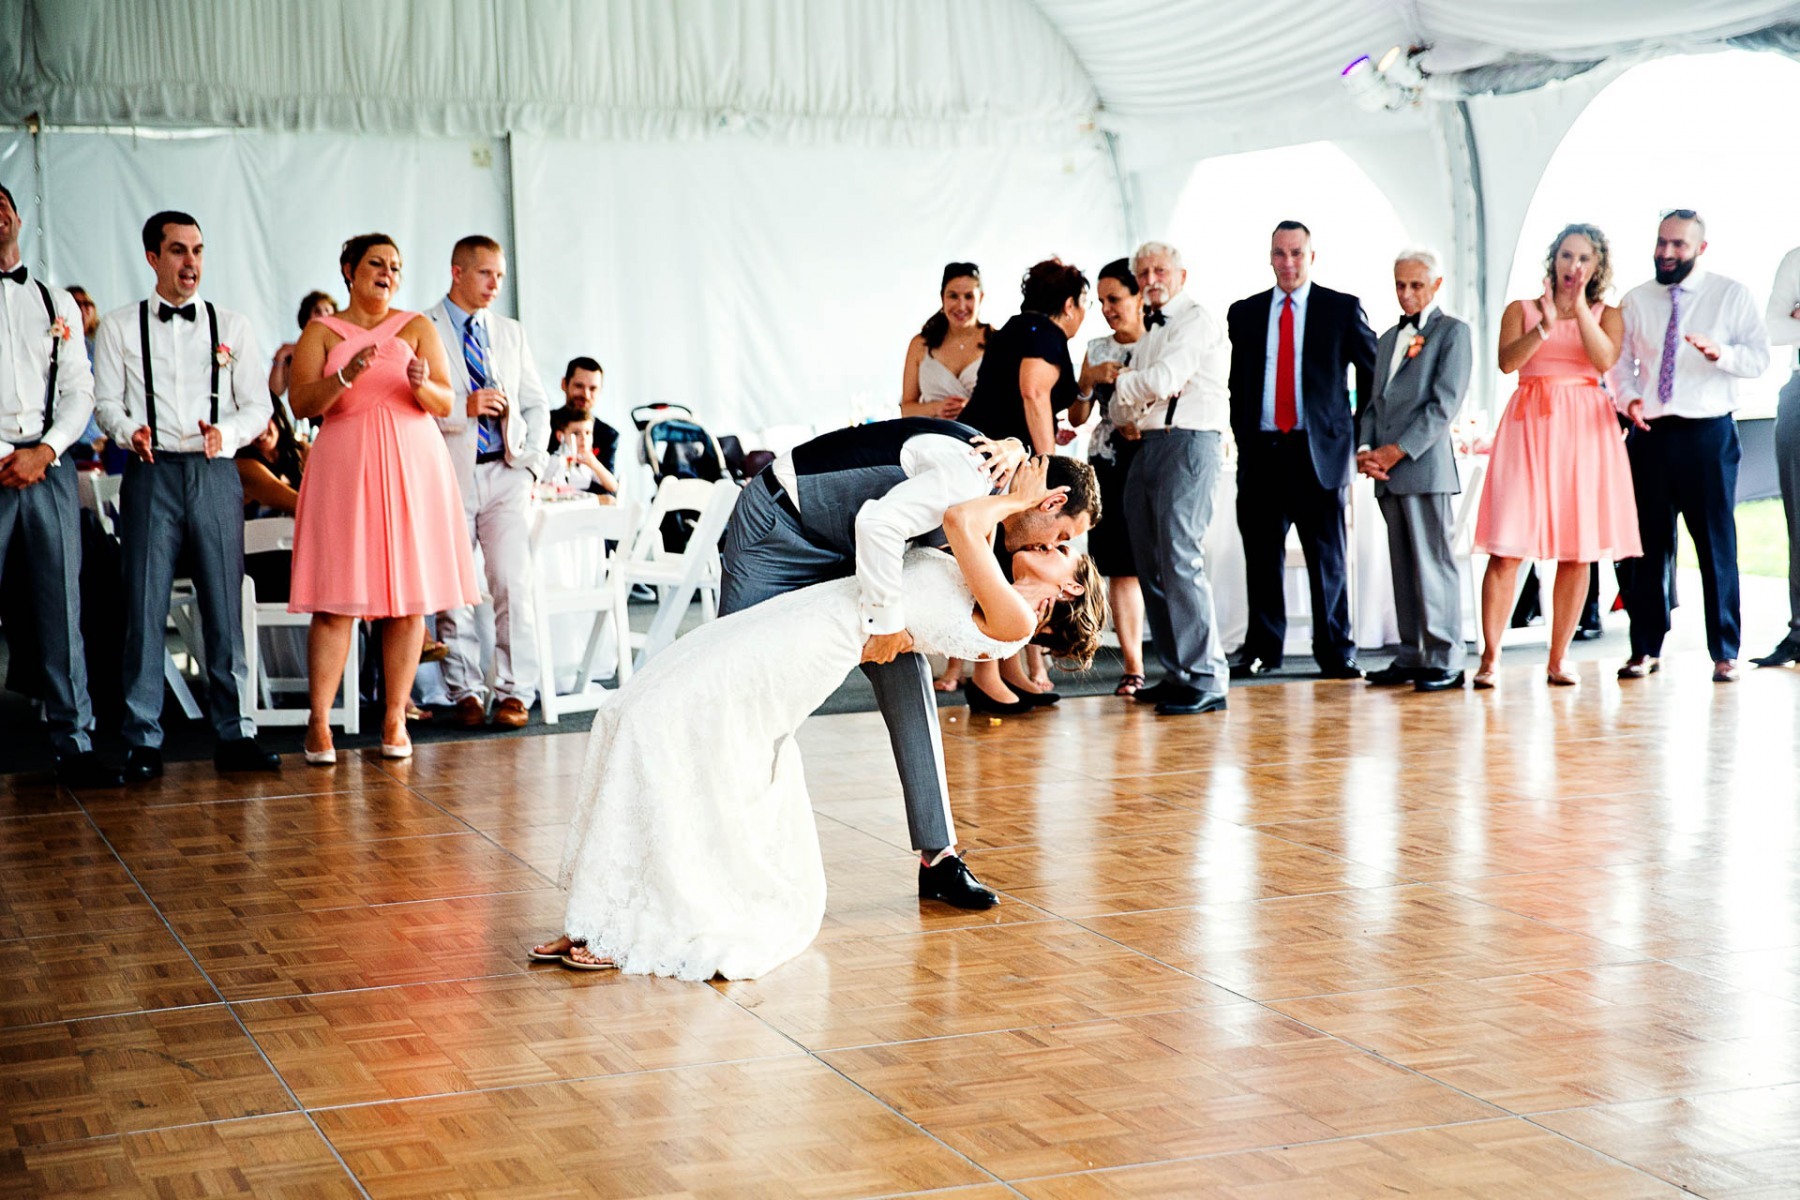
(579, 958)
(546, 952)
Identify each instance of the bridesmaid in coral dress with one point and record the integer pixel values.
(1558, 482)
(379, 530)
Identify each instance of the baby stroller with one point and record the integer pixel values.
(675, 445)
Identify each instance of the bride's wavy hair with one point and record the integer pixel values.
(1072, 631)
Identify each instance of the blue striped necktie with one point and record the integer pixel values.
(487, 436)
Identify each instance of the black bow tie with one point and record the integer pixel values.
(18, 275)
(1412, 319)
(1154, 317)
(185, 312)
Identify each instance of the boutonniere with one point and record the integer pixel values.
(59, 329)
(1417, 344)
(223, 356)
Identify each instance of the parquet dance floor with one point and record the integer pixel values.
(1339, 942)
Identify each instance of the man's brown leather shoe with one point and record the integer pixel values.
(470, 713)
(511, 713)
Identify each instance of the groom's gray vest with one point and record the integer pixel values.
(837, 472)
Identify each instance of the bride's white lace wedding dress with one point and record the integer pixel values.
(692, 850)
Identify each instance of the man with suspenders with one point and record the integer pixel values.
(177, 382)
(46, 397)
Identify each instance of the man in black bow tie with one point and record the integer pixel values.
(46, 397)
(176, 382)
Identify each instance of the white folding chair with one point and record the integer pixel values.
(679, 576)
(261, 686)
(1462, 545)
(572, 573)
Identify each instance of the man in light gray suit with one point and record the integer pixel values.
(1421, 374)
(498, 435)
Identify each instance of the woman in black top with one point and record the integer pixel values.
(1026, 380)
(1026, 376)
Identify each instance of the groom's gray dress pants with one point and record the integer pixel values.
(767, 553)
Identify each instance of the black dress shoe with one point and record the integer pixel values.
(952, 882)
(1191, 700)
(1395, 675)
(1340, 670)
(243, 754)
(1589, 633)
(1787, 652)
(1157, 692)
(142, 764)
(1038, 699)
(980, 702)
(85, 770)
(1253, 666)
(1437, 681)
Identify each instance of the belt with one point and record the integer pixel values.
(782, 499)
(490, 456)
(182, 456)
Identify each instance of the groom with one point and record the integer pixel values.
(852, 501)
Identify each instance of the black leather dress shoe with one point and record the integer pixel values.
(1191, 700)
(1787, 652)
(243, 754)
(1341, 670)
(1395, 675)
(86, 770)
(954, 884)
(1589, 633)
(1038, 699)
(142, 764)
(1157, 692)
(980, 702)
(1437, 681)
(1253, 666)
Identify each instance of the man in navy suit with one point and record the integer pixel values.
(1291, 348)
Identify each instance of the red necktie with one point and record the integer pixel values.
(1284, 369)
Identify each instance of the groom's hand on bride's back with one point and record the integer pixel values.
(886, 647)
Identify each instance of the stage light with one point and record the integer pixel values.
(1393, 82)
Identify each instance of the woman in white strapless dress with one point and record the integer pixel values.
(944, 358)
(692, 851)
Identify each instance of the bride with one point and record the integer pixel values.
(692, 851)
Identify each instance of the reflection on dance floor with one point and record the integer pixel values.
(1339, 941)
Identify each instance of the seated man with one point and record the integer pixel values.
(582, 381)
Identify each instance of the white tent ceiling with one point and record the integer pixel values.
(1065, 124)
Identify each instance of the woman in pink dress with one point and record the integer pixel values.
(379, 532)
(1558, 482)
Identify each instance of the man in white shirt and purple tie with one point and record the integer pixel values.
(1690, 335)
(179, 382)
(498, 434)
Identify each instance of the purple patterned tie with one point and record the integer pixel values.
(1665, 378)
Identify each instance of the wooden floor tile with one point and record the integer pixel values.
(205, 877)
(1487, 1160)
(275, 1158)
(876, 897)
(1746, 901)
(1742, 1145)
(1531, 1043)
(96, 974)
(1219, 863)
(345, 948)
(33, 795)
(1775, 972)
(198, 783)
(59, 878)
(1082, 811)
(1352, 941)
(82, 1079)
(1111, 1093)
(469, 1035)
(849, 993)
(372, 813)
(775, 1128)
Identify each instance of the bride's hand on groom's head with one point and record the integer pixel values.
(1028, 486)
(1002, 458)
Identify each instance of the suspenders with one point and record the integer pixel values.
(212, 325)
(55, 351)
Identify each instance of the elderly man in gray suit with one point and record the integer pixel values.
(1421, 373)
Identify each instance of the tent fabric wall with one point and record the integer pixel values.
(922, 72)
(772, 284)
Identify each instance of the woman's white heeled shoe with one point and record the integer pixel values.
(403, 750)
(322, 758)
